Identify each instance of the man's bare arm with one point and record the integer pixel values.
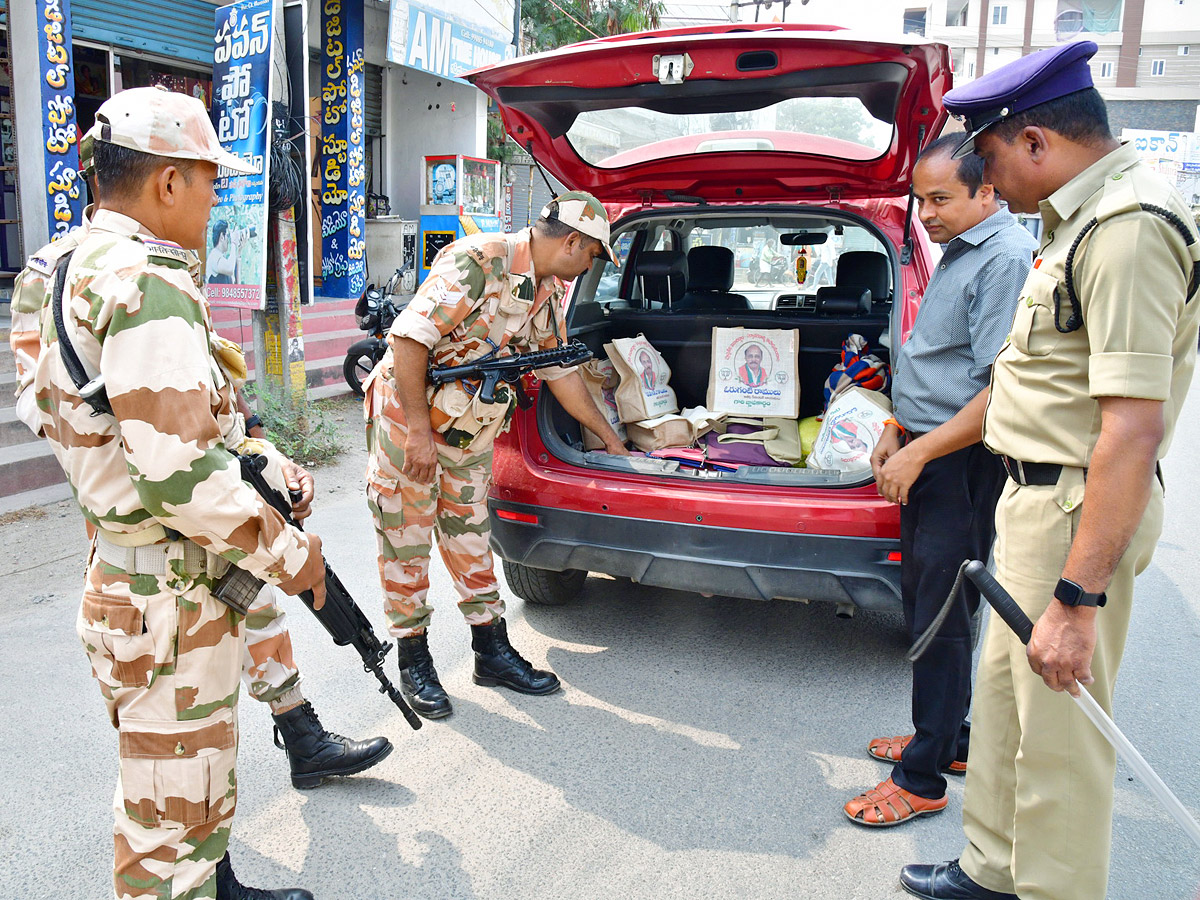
(573, 394)
(410, 371)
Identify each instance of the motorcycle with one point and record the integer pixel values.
(374, 313)
(767, 272)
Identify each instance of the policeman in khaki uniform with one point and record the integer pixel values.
(154, 479)
(269, 669)
(431, 447)
(1083, 401)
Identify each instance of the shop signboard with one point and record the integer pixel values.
(236, 260)
(439, 43)
(64, 187)
(343, 172)
(1175, 155)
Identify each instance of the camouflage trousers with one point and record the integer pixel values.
(408, 514)
(167, 657)
(268, 668)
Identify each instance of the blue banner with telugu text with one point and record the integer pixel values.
(64, 187)
(235, 266)
(343, 154)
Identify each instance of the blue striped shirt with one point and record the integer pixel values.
(964, 319)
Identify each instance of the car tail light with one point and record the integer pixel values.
(894, 556)
(509, 515)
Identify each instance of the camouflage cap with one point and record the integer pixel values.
(163, 123)
(583, 212)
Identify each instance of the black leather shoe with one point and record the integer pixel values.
(419, 679)
(316, 754)
(496, 662)
(946, 881)
(228, 887)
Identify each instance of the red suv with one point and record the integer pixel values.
(710, 145)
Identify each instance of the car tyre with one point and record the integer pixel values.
(542, 586)
(355, 370)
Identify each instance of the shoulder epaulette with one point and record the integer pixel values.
(167, 252)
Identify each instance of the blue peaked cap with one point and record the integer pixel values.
(1018, 86)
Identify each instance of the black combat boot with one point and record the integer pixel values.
(496, 662)
(228, 887)
(419, 679)
(316, 754)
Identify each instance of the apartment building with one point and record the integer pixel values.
(1147, 68)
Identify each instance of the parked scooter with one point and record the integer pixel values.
(768, 270)
(374, 312)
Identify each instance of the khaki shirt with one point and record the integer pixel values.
(136, 316)
(1138, 339)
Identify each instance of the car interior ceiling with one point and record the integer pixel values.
(676, 305)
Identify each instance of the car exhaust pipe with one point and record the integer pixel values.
(845, 609)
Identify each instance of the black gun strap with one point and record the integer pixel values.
(97, 400)
(1075, 318)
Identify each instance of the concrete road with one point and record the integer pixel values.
(701, 747)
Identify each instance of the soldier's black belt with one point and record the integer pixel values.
(1028, 473)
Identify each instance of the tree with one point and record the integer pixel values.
(545, 26)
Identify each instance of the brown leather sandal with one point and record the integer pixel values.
(891, 749)
(889, 804)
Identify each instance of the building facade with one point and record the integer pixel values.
(1147, 68)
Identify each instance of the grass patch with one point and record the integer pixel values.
(303, 431)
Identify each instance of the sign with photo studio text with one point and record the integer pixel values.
(343, 172)
(64, 186)
(235, 268)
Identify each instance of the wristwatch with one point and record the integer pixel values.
(1068, 593)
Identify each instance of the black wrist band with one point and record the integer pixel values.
(253, 422)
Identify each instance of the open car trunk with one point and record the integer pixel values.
(685, 341)
(611, 303)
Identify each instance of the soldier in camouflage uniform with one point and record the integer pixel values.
(269, 670)
(431, 447)
(170, 511)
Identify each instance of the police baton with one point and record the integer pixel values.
(1013, 616)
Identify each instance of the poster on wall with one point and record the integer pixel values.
(343, 168)
(235, 269)
(64, 187)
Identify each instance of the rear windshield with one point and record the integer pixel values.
(825, 126)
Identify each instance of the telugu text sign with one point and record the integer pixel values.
(236, 262)
(59, 135)
(343, 155)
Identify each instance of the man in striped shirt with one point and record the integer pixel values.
(930, 460)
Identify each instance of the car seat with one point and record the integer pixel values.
(710, 276)
(863, 279)
(662, 275)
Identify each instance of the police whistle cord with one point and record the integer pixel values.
(340, 615)
(1008, 610)
(491, 369)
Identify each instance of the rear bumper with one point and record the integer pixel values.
(759, 565)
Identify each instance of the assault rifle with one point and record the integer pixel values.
(490, 369)
(340, 615)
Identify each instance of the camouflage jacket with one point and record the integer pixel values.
(479, 287)
(137, 317)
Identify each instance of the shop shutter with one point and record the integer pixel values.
(182, 29)
(374, 98)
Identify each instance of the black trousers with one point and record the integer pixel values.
(950, 516)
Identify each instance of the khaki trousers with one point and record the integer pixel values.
(1038, 806)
